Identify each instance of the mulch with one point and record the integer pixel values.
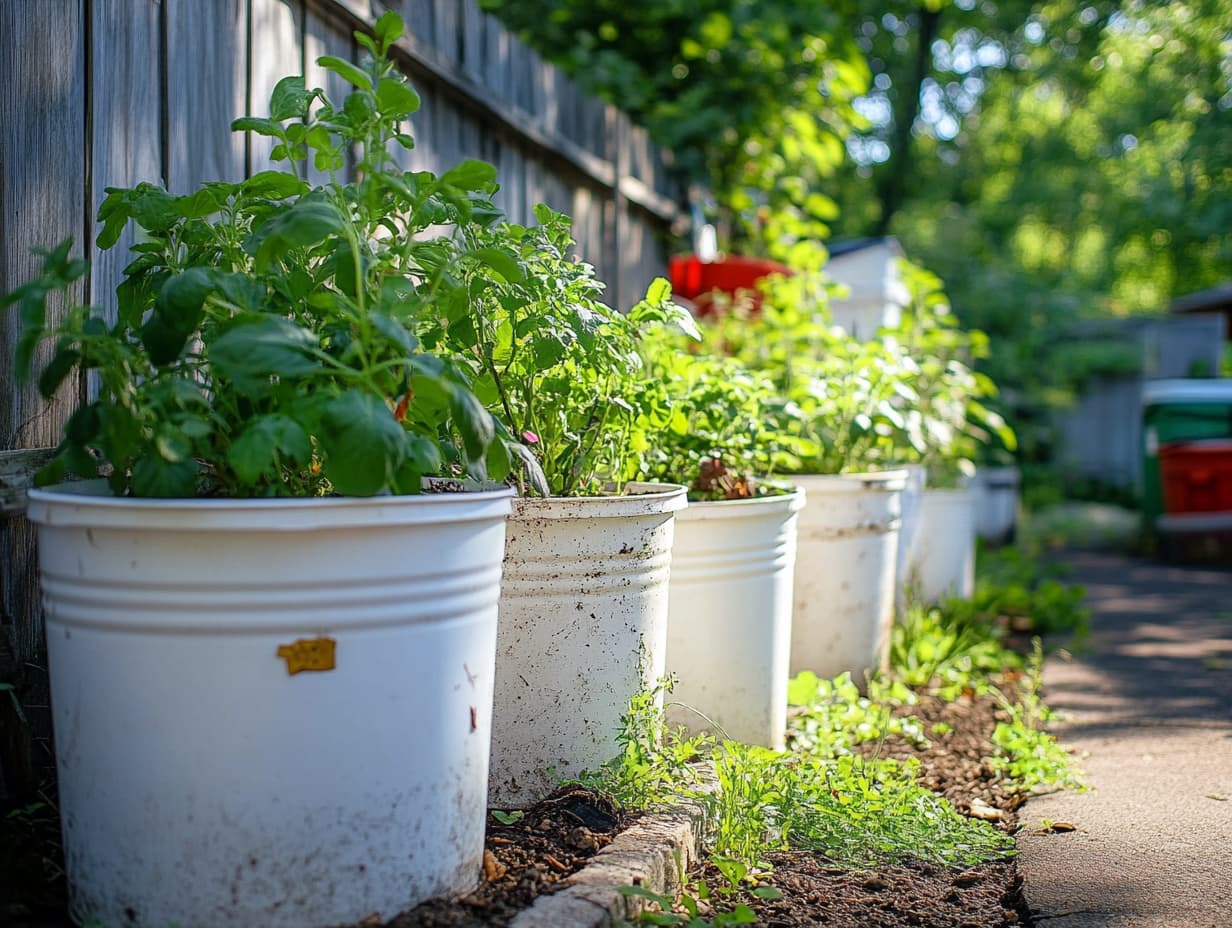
(532, 855)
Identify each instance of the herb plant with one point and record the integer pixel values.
(720, 436)
(839, 406)
(550, 359)
(265, 339)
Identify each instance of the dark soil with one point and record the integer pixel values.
(815, 893)
(554, 839)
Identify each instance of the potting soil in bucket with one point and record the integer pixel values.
(269, 712)
(729, 619)
(583, 626)
(845, 573)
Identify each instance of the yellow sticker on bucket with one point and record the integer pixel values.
(308, 654)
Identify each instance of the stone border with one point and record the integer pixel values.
(654, 853)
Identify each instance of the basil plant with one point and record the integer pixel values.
(268, 337)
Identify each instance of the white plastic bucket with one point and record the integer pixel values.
(942, 560)
(202, 782)
(845, 572)
(729, 617)
(997, 503)
(909, 524)
(583, 629)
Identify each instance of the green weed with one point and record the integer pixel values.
(1027, 756)
(831, 717)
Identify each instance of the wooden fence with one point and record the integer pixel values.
(99, 93)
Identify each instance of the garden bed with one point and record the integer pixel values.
(539, 851)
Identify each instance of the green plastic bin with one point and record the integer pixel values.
(1178, 410)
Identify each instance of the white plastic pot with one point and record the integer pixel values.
(269, 712)
(845, 573)
(942, 559)
(729, 618)
(997, 503)
(909, 524)
(583, 629)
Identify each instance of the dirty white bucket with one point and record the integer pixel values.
(583, 629)
(729, 618)
(942, 559)
(269, 712)
(997, 504)
(845, 572)
(909, 524)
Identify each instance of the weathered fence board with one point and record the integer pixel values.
(99, 93)
(207, 55)
(43, 193)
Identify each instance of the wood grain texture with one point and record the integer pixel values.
(276, 43)
(43, 200)
(207, 74)
(126, 94)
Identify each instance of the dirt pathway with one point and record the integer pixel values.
(1149, 703)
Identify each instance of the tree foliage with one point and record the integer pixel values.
(753, 97)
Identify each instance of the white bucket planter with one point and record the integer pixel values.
(269, 712)
(913, 491)
(845, 572)
(997, 506)
(942, 559)
(729, 618)
(583, 629)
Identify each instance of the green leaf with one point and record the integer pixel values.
(155, 476)
(362, 444)
(290, 99)
(470, 175)
(388, 29)
(473, 422)
(178, 311)
(346, 70)
(659, 291)
(275, 185)
(63, 363)
(258, 125)
(308, 222)
(252, 353)
(503, 262)
(113, 213)
(395, 331)
(265, 443)
(396, 98)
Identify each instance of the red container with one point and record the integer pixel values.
(696, 280)
(1197, 476)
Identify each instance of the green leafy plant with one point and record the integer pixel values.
(947, 426)
(836, 408)
(830, 718)
(266, 337)
(1014, 590)
(686, 909)
(549, 358)
(654, 765)
(1027, 756)
(705, 416)
(948, 650)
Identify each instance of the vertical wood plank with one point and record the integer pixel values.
(497, 45)
(43, 199)
(473, 32)
(418, 15)
(276, 50)
(127, 116)
(446, 30)
(206, 90)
